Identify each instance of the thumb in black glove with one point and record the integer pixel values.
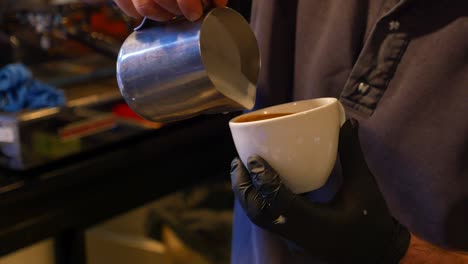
(355, 227)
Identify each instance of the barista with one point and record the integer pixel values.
(400, 69)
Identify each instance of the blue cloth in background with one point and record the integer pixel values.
(19, 90)
(13, 75)
(41, 95)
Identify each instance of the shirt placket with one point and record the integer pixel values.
(377, 62)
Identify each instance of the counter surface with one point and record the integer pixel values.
(73, 194)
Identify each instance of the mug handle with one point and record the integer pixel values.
(342, 113)
(207, 5)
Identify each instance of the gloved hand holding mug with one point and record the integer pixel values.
(355, 227)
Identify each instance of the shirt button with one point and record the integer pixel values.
(393, 25)
(363, 87)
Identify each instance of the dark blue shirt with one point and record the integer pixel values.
(401, 69)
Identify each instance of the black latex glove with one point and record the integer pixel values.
(355, 227)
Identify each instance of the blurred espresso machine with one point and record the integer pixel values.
(73, 47)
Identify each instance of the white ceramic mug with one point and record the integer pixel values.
(302, 146)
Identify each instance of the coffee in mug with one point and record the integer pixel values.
(250, 118)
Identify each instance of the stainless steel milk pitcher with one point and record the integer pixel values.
(181, 69)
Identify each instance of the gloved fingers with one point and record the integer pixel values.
(269, 184)
(280, 199)
(264, 177)
(266, 200)
(249, 198)
(240, 180)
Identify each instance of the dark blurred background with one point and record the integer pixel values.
(83, 179)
